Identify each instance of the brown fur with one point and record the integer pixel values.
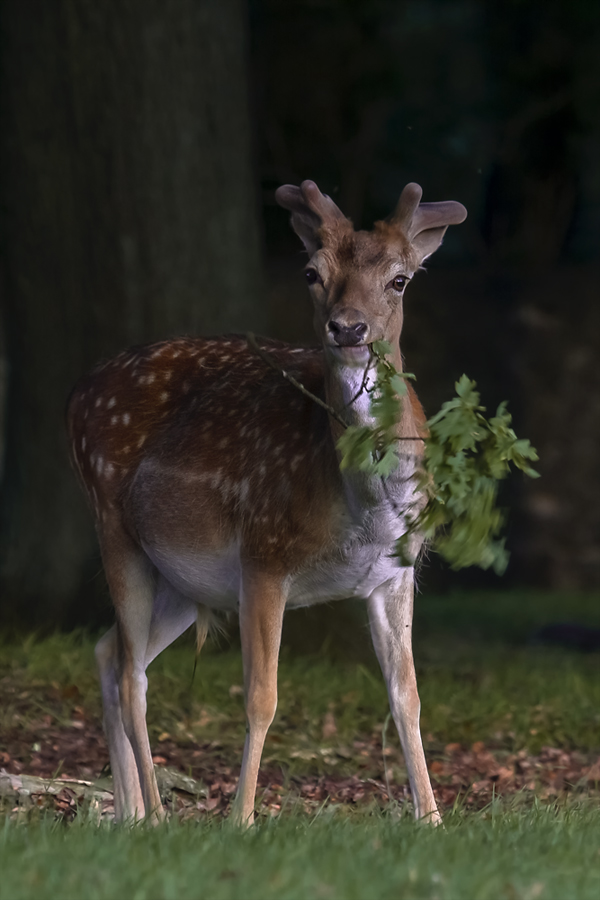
(240, 440)
(367, 250)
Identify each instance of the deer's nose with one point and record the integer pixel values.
(347, 335)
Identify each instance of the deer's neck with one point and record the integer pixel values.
(349, 391)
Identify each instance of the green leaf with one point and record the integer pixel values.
(398, 384)
(388, 462)
(357, 446)
(382, 348)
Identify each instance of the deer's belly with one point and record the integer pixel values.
(213, 580)
(353, 568)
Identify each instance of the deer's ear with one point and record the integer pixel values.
(311, 211)
(425, 224)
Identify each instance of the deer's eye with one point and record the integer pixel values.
(399, 283)
(312, 276)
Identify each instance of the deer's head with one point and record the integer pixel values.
(357, 278)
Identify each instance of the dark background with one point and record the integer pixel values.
(140, 147)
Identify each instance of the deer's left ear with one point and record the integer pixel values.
(424, 224)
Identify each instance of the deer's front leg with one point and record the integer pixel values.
(262, 604)
(390, 614)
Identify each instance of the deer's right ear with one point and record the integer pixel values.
(311, 211)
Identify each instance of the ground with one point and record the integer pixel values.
(503, 716)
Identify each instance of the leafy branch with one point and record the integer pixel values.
(465, 457)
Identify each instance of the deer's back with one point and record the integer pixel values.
(201, 437)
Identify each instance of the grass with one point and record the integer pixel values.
(481, 679)
(541, 853)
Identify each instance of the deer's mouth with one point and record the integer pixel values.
(355, 355)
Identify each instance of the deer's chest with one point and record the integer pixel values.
(359, 560)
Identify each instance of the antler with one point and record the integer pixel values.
(311, 210)
(308, 196)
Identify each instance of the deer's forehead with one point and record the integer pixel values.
(364, 252)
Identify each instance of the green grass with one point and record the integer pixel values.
(541, 853)
(480, 679)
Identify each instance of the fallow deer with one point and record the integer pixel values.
(215, 485)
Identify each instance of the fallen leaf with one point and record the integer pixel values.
(329, 727)
(534, 891)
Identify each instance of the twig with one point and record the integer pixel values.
(362, 387)
(383, 756)
(271, 362)
(277, 368)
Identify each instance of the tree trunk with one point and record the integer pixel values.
(535, 220)
(128, 214)
(559, 545)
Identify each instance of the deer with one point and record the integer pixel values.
(216, 486)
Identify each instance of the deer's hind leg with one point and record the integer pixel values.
(133, 586)
(171, 616)
(129, 804)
